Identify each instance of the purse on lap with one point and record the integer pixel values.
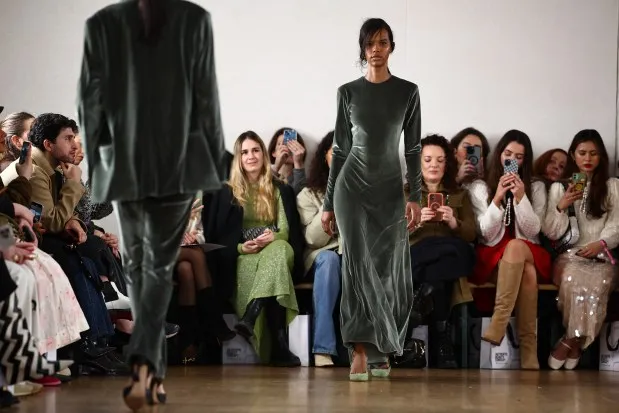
(253, 233)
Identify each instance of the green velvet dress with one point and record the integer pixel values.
(266, 274)
(365, 190)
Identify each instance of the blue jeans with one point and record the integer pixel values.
(327, 284)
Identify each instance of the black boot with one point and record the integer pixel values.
(414, 355)
(281, 356)
(187, 336)
(442, 352)
(211, 315)
(245, 326)
(422, 305)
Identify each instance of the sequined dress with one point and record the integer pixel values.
(584, 284)
(266, 274)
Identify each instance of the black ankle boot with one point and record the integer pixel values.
(413, 356)
(442, 351)
(211, 315)
(422, 305)
(281, 356)
(245, 326)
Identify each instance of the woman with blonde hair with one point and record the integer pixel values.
(256, 218)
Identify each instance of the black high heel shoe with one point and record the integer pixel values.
(161, 398)
(135, 394)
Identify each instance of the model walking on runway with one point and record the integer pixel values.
(365, 203)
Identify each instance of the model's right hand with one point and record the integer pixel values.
(328, 222)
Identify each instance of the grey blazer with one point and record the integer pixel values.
(149, 113)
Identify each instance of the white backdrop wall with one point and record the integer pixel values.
(546, 67)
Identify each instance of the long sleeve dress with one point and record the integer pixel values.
(584, 284)
(266, 274)
(365, 190)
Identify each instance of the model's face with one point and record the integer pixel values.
(556, 166)
(251, 156)
(587, 157)
(378, 49)
(433, 164)
(469, 140)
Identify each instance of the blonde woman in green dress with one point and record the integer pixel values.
(256, 218)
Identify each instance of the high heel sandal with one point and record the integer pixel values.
(358, 376)
(161, 398)
(134, 395)
(380, 369)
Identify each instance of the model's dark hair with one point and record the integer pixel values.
(368, 30)
(14, 125)
(319, 169)
(48, 126)
(541, 163)
(496, 167)
(273, 142)
(485, 146)
(597, 202)
(451, 166)
(153, 16)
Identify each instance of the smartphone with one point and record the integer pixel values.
(37, 210)
(580, 181)
(7, 237)
(435, 201)
(289, 135)
(24, 152)
(510, 166)
(473, 155)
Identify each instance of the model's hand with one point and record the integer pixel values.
(328, 222)
(413, 214)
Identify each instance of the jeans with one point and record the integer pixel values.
(327, 284)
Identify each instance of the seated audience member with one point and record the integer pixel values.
(509, 209)
(550, 167)
(585, 272)
(199, 305)
(322, 261)
(15, 127)
(256, 218)
(288, 160)
(48, 306)
(464, 144)
(65, 237)
(440, 245)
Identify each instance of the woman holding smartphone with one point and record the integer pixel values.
(509, 210)
(585, 273)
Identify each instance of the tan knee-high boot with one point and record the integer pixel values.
(526, 324)
(507, 287)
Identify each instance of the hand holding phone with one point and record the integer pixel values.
(289, 135)
(435, 202)
(579, 180)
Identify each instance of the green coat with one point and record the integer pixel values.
(149, 113)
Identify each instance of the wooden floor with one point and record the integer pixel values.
(261, 389)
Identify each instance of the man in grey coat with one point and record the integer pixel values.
(149, 109)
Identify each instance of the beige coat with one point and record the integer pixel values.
(309, 205)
